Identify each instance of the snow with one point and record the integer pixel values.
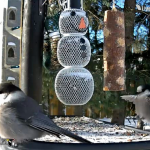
(11, 44)
(131, 122)
(54, 35)
(95, 131)
(11, 7)
(10, 79)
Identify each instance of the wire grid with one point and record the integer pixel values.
(69, 24)
(74, 51)
(74, 86)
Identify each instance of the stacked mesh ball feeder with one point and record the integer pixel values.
(74, 85)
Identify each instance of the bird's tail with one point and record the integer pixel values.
(43, 123)
(73, 136)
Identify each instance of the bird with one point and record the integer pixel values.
(142, 88)
(141, 101)
(22, 119)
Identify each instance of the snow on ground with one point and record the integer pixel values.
(95, 131)
(128, 122)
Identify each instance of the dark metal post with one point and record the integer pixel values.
(32, 45)
(74, 4)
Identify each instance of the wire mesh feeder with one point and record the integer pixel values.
(73, 21)
(74, 51)
(74, 86)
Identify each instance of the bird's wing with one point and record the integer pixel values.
(140, 97)
(35, 118)
(142, 103)
(130, 98)
(42, 122)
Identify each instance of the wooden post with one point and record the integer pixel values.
(114, 51)
(74, 111)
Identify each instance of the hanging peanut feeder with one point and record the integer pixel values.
(114, 51)
(54, 39)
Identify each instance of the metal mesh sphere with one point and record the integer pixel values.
(74, 51)
(73, 21)
(74, 86)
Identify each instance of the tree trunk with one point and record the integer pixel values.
(118, 116)
(74, 111)
(129, 12)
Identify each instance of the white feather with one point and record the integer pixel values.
(139, 89)
(11, 97)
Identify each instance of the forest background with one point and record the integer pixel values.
(137, 41)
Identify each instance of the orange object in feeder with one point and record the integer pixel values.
(82, 24)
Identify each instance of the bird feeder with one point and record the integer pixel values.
(74, 85)
(74, 51)
(73, 21)
(114, 51)
(50, 61)
(54, 38)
